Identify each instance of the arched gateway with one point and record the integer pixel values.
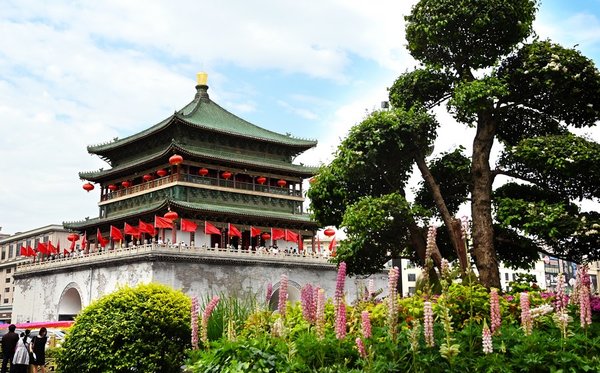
(69, 304)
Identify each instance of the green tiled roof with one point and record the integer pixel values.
(199, 207)
(205, 153)
(203, 113)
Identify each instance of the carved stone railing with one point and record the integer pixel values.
(261, 254)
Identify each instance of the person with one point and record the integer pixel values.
(9, 342)
(38, 347)
(20, 360)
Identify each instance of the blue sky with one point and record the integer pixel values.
(79, 73)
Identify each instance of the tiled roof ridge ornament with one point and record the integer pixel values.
(202, 87)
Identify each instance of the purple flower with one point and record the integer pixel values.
(306, 299)
(585, 309)
(339, 286)
(561, 298)
(393, 301)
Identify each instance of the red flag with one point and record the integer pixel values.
(51, 248)
(146, 228)
(233, 231)
(211, 229)
(188, 225)
(41, 248)
(332, 246)
(291, 236)
(72, 246)
(254, 232)
(31, 251)
(66, 252)
(101, 240)
(277, 234)
(84, 241)
(58, 247)
(115, 233)
(24, 251)
(131, 230)
(300, 243)
(160, 222)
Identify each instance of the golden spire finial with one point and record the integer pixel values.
(202, 78)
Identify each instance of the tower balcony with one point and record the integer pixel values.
(208, 182)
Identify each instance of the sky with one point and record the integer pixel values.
(79, 73)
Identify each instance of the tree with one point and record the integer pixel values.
(479, 59)
(143, 329)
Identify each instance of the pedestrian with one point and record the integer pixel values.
(20, 361)
(9, 342)
(38, 349)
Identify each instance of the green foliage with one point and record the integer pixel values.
(554, 80)
(470, 98)
(420, 88)
(144, 328)
(467, 34)
(229, 315)
(453, 172)
(376, 232)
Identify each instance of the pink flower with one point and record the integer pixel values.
(339, 286)
(321, 314)
(393, 301)
(283, 294)
(340, 321)
(366, 324)
(561, 298)
(428, 324)
(495, 317)
(361, 348)
(306, 300)
(526, 320)
(210, 307)
(195, 309)
(269, 293)
(585, 309)
(486, 337)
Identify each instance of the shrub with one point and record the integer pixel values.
(144, 329)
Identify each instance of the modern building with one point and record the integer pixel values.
(12, 255)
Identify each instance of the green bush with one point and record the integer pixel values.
(143, 329)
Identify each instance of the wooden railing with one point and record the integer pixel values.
(201, 180)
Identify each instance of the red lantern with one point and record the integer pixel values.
(261, 180)
(88, 186)
(265, 236)
(226, 175)
(161, 173)
(175, 159)
(147, 177)
(171, 215)
(126, 184)
(281, 182)
(112, 187)
(73, 237)
(329, 232)
(203, 171)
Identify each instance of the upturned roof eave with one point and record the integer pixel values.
(101, 175)
(160, 206)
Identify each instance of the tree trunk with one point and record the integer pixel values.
(450, 221)
(481, 202)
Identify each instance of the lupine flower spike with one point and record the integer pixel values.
(195, 310)
(495, 318)
(428, 324)
(283, 294)
(210, 307)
